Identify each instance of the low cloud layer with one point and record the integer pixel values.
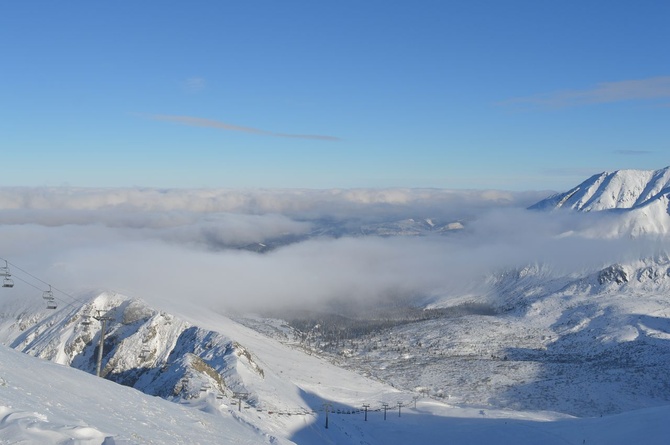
(367, 204)
(183, 246)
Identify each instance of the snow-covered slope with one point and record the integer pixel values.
(633, 203)
(589, 343)
(621, 189)
(44, 403)
(281, 389)
(549, 342)
(411, 227)
(165, 355)
(144, 348)
(48, 404)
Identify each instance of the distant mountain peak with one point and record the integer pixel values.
(620, 189)
(638, 200)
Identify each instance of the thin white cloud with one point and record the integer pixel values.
(633, 152)
(653, 88)
(195, 84)
(210, 123)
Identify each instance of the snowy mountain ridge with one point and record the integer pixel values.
(276, 391)
(631, 202)
(152, 351)
(620, 189)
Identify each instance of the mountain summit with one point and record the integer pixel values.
(636, 202)
(621, 189)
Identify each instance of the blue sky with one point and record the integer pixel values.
(518, 95)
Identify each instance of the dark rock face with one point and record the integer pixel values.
(613, 274)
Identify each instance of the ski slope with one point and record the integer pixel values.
(45, 403)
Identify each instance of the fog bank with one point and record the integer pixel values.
(185, 246)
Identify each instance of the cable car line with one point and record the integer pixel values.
(43, 282)
(50, 301)
(48, 295)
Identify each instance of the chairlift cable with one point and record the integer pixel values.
(53, 297)
(43, 282)
(28, 283)
(65, 303)
(24, 271)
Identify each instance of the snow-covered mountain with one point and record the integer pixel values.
(274, 395)
(633, 202)
(165, 355)
(621, 189)
(43, 403)
(587, 344)
(411, 227)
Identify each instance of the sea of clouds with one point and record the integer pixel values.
(192, 245)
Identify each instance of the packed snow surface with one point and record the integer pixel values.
(42, 402)
(45, 403)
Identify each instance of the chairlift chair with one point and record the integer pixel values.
(4, 270)
(51, 304)
(48, 294)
